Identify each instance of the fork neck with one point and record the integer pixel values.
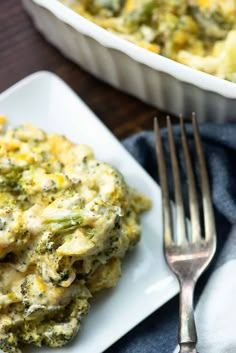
(187, 329)
(188, 348)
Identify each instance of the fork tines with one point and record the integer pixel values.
(181, 233)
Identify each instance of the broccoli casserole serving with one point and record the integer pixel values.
(198, 33)
(66, 221)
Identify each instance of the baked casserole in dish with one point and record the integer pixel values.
(155, 79)
(198, 33)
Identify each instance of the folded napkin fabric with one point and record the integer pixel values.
(216, 291)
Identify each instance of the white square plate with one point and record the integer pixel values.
(47, 102)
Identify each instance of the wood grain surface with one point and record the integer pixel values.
(23, 51)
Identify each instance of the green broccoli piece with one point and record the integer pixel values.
(113, 6)
(65, 224)
(9, 343)
(58, 330)
(141, 14)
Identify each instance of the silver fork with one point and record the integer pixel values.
(188, 255)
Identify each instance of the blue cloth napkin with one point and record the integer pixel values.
(215, 293)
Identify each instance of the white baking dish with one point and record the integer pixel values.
(164, 83)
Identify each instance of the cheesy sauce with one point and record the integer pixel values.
(197, 33)
(66, 221)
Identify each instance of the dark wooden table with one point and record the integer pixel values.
(23, 51)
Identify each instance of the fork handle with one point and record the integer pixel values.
(187, 329)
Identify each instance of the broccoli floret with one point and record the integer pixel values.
(9, 344)
(40, 298)
(113, 6)
(8, 329)
(141, 14)
(56, 331)
(35, 323)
